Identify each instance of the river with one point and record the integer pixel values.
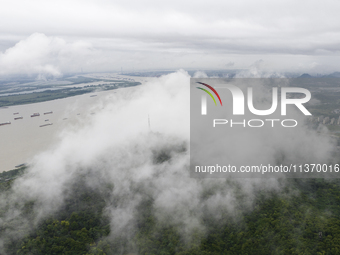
(24, 138)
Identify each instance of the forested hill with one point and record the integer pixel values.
(303, 219)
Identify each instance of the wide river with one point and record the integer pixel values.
(24, 138)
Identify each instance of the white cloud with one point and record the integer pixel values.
(39, 54)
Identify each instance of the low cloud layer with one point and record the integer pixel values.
(39, 54)
(117, 147)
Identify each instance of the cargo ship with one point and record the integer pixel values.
(49, 124)
(35, 114)
(15, 113)
(21, 165)
(18, 118)
(48, 112)
(5, 123)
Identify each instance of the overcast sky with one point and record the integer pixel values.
(64, 36)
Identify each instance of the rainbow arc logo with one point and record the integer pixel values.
(212, 89)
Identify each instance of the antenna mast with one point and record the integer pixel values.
(149, 121)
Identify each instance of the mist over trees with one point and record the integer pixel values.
(301, 219)
(117, 186)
